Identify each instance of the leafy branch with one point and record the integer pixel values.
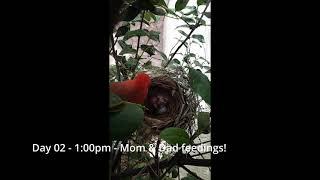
(188, 36)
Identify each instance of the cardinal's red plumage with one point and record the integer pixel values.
(135, 90)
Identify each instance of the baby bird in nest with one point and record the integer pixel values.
(158, 102)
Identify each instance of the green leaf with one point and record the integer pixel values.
(152, 16)
(176, 61)
(125, 122)
(197, 63)
(123, 44)
(203, 59)
(201, 2)
(185, 44)
(148, 49)
(174, 173)
(187, 19)
(130, 13)
(144, 5)
(138, 32)
(200, 84)
(183, 26)
(159, 2)
(199, 37)
(189, 177)
(207, 14)
(181, 4)
(182, 32)
(173, 136)
(114, 100)
(196, 42)
(203, 121)
(160, 11)
(163, 55)
(192, 55)
(192, 10)
(117, 108)
(127, 50)
(186, 58)
(147, 16)
(131, 62)
(147, 65)
(171, 11)
(202, 22)
(154, 35)
(122, 30)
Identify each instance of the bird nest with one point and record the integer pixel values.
(170, 103)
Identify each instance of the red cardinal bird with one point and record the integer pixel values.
(135, 90)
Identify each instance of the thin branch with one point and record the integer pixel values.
(138, 59)
(195, 27)
(138, 44)
(114, 43)
(175, 45)
(142, 170)
(114, 54)
(157, 156)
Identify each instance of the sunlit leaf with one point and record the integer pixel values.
(152, 16)
(147, 16)
(173, 136)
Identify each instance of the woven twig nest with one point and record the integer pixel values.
(170, 103)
